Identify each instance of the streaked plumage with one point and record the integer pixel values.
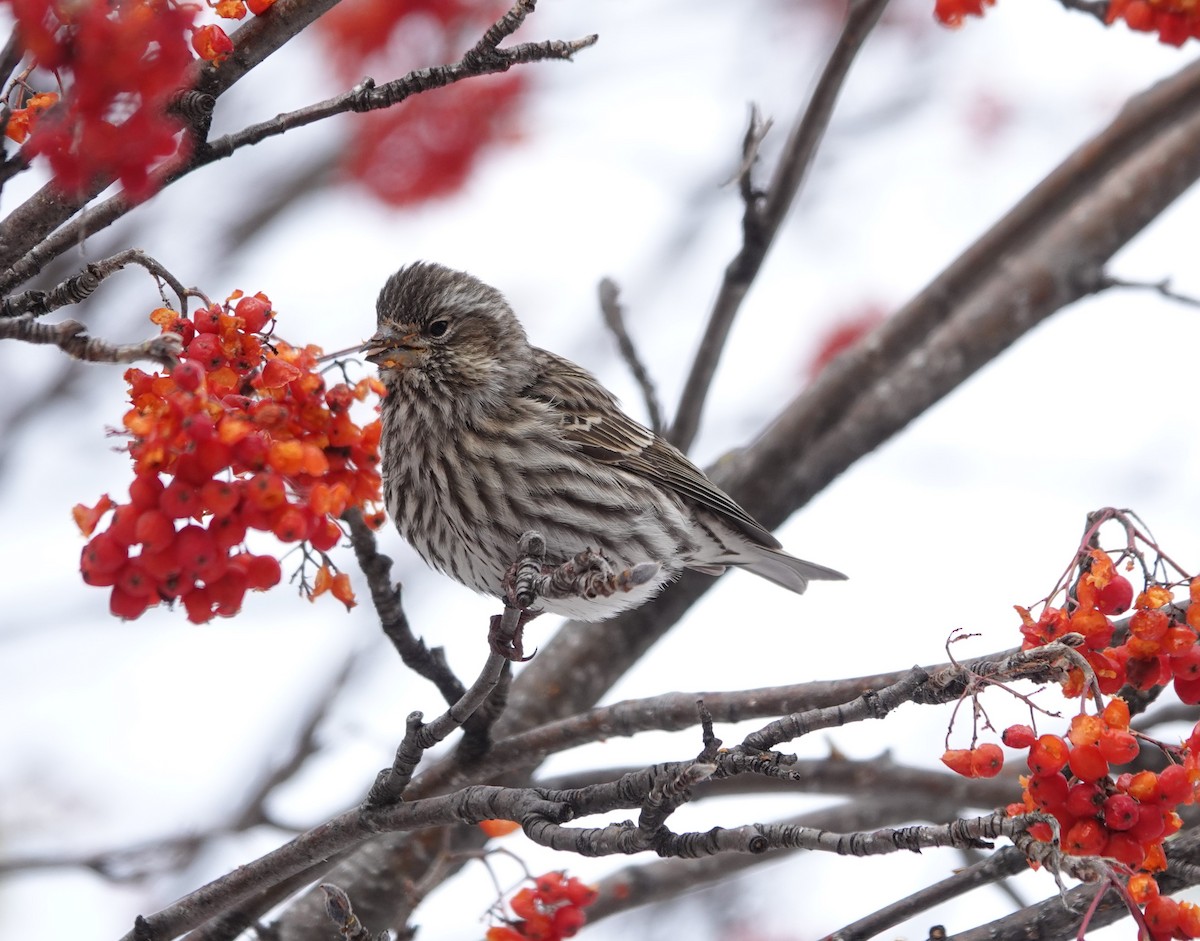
(486, 437)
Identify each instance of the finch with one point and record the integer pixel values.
(486, 437)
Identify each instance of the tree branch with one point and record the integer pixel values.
(1055, 243)
(69, 336)
(764, 215)
(614, 319)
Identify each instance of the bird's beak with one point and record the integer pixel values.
(393, 350)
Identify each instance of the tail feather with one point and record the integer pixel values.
(788, 571)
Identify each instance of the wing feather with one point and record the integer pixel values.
(591, 417)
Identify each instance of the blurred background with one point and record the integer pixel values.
(542, 182)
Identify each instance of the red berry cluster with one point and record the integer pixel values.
(1159, 649)
(952, 12)
(429, 147)
(1125, 818)
(121, 63)
(1175, 21)
(248, 437)
(550, 909)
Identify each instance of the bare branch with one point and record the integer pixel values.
(386, 597)
(69, 336)
(764, 215)
(614, 319)
(81, 286)
(1162, 287)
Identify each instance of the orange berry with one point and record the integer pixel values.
(495, 828)
(958, 760)
(1085, 729)
(1047, 755)
(1143, 786)
(986, 761)
(1087, 763)
(1116, 714)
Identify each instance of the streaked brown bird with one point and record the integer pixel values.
(486, 437)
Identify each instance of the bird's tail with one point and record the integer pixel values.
(788, 571)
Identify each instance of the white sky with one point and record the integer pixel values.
(114, 733)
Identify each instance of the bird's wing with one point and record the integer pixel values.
(591, 417)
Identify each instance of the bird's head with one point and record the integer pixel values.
(445, 332)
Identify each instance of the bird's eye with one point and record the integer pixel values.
(438, 328)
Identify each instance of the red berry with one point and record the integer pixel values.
(1162, 916)
(1149, 625)
(1188, 691)
(1174, 784)
(1118, 747)
(263, 572)
(254, 311)
(208, 319)
(1084, 799)
(227, 592)
(1018, 736)
(198, 605)
(134, 579)
(1124, 849)
(1085, 838)
(219, 497)
(1049, 791)
(155, 530)
(1120, 812)
(291, 525)
(1149, 826)
(325, 536)
(1048, 754)
(145, 491)
(180, 500)
(568, 920)
(580, 893)
(1087, 763)
(124, 524)
(189, 376)
(206, 350)
(1115, 597)
(227, 531)
(198, 552)
(103, 555)
(126, 606)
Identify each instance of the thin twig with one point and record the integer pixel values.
(69, 336)
(79, 287)
(1162, 287)
(386, 597)
(764, 214)
(614, 319)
